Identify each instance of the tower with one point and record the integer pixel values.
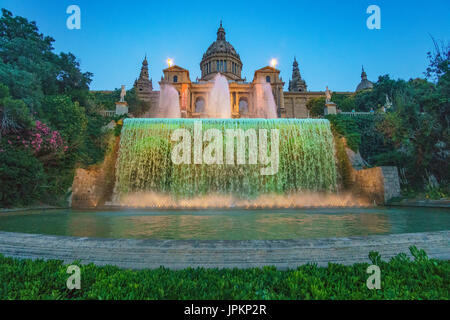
(297, 84)
(364, 84)
(143, 85)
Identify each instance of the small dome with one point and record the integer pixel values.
(364, 84)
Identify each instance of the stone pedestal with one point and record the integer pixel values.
(121, 108)
(330, 108)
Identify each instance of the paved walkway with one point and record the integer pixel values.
(179, 254)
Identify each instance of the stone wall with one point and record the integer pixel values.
(391, 183)
(379, 184)
(93, 186)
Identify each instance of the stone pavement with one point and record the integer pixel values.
(179, 254)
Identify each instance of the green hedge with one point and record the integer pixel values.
(401, 278)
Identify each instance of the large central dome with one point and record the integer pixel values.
(221, 57)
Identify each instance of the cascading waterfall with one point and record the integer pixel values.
(306, 161)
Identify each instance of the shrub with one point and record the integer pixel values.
(22, 177)
(346, 127)
(401, 278)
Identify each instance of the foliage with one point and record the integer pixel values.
(21, 175)
(29, 67)
(343, 164)
(41, 141)
(137, 107)
(66, 116)
(414, 133)
(345, 102)
(14, 114)
(46, 106)
(437, 193)
(316, 106)
(402, 278)
(105, 100)
(344, 126)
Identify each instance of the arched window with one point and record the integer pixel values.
(175, 79)
(200, 105)
(268, 79)
(243, 106)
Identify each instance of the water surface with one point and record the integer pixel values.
(227, 224)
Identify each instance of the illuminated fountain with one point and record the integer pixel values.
(266, 107)
(219, 105)
(169, 103)
(265, 102)
(147, 175)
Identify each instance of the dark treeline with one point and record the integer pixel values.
(413, 134)
(49, 121)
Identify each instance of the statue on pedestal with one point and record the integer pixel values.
(123, 93)
(328, 94)
(330, 106)
(388, 103)
(122, 105)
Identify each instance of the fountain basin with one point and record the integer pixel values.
(227, 224)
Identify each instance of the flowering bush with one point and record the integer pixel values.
(44, 141)
(40, 140)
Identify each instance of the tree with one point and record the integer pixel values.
(22, 177)
(14, 115)
(316, 106)
(66, 116)
(344, 102)
(30, 68)
(44, 103)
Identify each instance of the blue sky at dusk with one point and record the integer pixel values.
(329, 38)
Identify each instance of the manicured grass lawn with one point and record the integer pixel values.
(401, 278)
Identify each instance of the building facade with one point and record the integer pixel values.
(221, 57)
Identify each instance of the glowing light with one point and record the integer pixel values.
(273, 63)
(170, 62)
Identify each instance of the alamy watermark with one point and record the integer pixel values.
(374, 281)
(74, 281)
(74, 20)
(255, 142)
(374, 20)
